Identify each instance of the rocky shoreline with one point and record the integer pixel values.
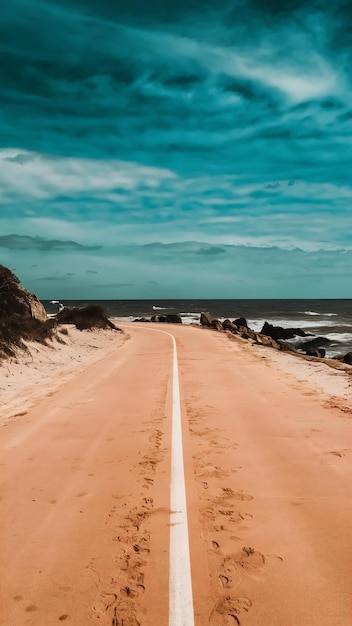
(270, 336)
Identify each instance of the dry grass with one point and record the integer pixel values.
(16, 329)
(85, 318)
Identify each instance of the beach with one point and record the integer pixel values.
(87, 437)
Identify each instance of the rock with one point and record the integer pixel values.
(158, 318)
(348, 358)
(228, 325)
(217, 325)
(264, 340)
(277, 332)
(317, 352)
(247, 333)
(141, 319)
(172, 318)
(241, 321)
(286, 347)
(317, 342)
(16, 299)
(205, 319)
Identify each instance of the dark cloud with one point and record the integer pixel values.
(24, 242)
(137, 80)
(254, 90)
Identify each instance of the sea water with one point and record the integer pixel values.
(331, 319)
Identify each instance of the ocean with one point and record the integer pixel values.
(331, 319)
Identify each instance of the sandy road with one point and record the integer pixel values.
(86, 492)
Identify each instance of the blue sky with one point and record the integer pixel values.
(177, 149)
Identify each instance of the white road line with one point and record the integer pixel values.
(180, 581)
(181, 611)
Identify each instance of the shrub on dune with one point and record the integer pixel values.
(85, 318)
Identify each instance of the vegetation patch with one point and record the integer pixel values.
(85, 318)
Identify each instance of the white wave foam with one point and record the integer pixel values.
(257, 324)
(319, 314)
(340, 337)
(160, 308)
(190, 318)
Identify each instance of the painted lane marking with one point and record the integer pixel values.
(181, 612)
(180, 581)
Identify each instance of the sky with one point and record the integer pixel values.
(177, 149)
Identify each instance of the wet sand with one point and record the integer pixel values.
(86, 478)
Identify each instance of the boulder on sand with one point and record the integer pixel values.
(313, 344)
(287, 347)
(318, 352)
(247, 333)
(348, 358)
(217, 325)
(228, 325)
(264, 340)
(278, 332)
(173, 318)
(158, 318)
(205, 319)
(241, 321)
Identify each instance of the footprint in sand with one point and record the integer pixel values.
(248, 559)
(227, 492)
(31, 608)
(339, 453)
(228, 610)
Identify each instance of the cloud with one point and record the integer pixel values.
(21, 159)
(211, 251)
(24, 242)
(273, 185)
(52, 279)
(112, 285)
(159, 270)
(226, 123)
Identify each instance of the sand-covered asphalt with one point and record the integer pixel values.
(86, 491)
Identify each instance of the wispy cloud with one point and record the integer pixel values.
(227, 123)
(24, 242)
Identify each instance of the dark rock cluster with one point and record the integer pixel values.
(274, 337)
(170, 318)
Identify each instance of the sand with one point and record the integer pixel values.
(86, 474)
(42, 369)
